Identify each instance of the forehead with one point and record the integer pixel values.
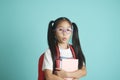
(64, 24)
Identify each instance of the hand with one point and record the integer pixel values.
(61, 73)
(75, 79)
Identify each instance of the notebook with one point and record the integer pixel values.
(69, 65)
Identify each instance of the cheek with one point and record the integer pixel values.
(58, 36)
(69, 35)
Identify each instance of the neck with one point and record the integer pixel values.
(63, 45)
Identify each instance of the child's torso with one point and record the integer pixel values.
(65, 53)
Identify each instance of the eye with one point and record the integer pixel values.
(68, 29)
(60, 29)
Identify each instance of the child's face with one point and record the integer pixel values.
(63, 32)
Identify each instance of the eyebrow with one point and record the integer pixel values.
(67, 27)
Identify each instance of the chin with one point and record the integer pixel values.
(64, 42)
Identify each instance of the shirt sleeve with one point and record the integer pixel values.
(47, 62)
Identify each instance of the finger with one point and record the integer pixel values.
(58, 69)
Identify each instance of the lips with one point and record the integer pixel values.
(64, 39)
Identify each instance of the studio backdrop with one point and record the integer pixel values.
(23, 35)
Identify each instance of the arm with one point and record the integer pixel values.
(48, 67)
(76, 75)
(50, 76)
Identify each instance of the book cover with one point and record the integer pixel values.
(69, 65)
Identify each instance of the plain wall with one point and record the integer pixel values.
(23, 35)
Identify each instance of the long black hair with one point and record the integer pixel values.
(52, 42)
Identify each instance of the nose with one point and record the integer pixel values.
(64, 32)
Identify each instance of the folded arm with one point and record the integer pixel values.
(76, 74)
(50, 76)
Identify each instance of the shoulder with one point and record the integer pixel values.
(47, 62)
(47, 52)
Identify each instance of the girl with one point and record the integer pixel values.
(59, 33)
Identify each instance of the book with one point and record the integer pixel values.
(69, 65)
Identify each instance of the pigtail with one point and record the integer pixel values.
(52, 41)
(50, 34)
(77, 47)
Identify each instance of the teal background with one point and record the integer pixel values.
(23, 35)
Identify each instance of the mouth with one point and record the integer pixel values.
(64, 39)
